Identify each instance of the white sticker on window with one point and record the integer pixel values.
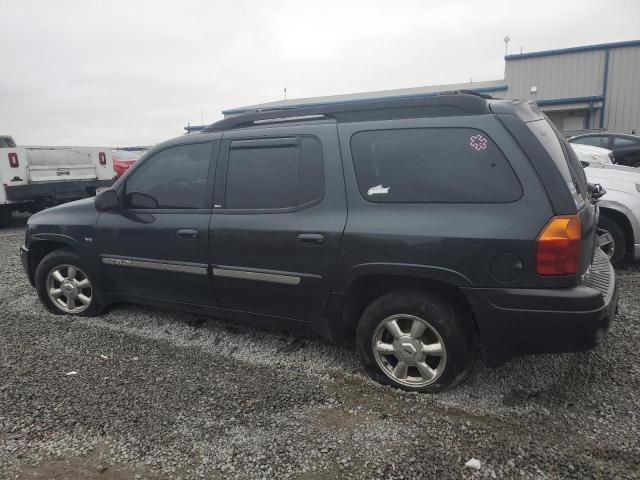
(378, 190)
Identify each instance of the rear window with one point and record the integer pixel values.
(7, 142)
(432, 165)
(264, 176)
(564, 157)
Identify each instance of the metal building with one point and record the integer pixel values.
(582, 88)
(593, 87)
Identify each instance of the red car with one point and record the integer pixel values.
(123, 159)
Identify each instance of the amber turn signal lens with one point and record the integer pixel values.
(559, 246)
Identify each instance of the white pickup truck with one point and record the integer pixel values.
(33, 178)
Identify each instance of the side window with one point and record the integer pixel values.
(595, 140)
(432, 165)
(621, 142)
(172, 178)
(274, 173)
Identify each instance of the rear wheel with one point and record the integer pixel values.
(415, 341)
(64, 287)
(615, 245)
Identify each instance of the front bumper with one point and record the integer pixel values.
(516, 322)
(24, 257)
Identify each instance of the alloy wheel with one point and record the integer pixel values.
(69, 288)
(409, 350)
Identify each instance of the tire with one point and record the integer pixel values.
(74, 286)
(618, 250)
(443, 325)
(5, 216)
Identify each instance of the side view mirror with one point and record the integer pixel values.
(107, 201)
(140, 200)
(596, 190)
(584, 164)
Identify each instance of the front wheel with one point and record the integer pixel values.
(615, 245)
(64, 287)
(415, 341)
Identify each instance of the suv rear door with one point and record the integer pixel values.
(278, 219)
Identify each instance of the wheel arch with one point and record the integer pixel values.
(622, 220)
(42, 245)
(372, 283)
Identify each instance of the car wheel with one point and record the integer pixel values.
(64, 287)
(616, 247)
(5, 216)
(416, 341)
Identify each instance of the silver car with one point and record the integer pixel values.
(619, 207)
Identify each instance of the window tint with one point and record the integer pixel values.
(596, 141)
(175, 177)
(274, 175)
(7, 142)
(432, 165)
(564, 157)
(621, 142)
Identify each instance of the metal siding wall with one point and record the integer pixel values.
(622, 111)
(559, 76)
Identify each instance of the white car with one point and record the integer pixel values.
(619, 207)
(590, 153)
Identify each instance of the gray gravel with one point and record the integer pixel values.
(160, 394)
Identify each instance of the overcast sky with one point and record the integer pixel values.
(119, 73)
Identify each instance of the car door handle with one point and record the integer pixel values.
(188, 233)
(310, 239)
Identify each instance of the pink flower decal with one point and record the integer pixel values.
(478, 142)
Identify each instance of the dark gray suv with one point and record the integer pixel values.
(420, 229)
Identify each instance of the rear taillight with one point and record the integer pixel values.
(13, 160)
(102, 158)
(558, 246)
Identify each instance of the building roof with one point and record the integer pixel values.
(563, 51)
(480, 87)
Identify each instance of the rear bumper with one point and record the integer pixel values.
(24, 257)
(56, 190)
(516, 322)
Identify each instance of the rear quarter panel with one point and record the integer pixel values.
(460, 239)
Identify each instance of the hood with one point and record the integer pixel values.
(66, 210)
(612, 177)
(589, 153)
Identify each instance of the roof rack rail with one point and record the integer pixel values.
(442, 105)
(467, 92)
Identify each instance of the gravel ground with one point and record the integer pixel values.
(160, 394)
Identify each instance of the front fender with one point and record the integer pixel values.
(53, 237)
(625, 204)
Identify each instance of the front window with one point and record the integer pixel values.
(172, 178)
(593, 140)
(265, 174)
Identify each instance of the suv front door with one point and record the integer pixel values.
(277, 225)
(156, 245)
